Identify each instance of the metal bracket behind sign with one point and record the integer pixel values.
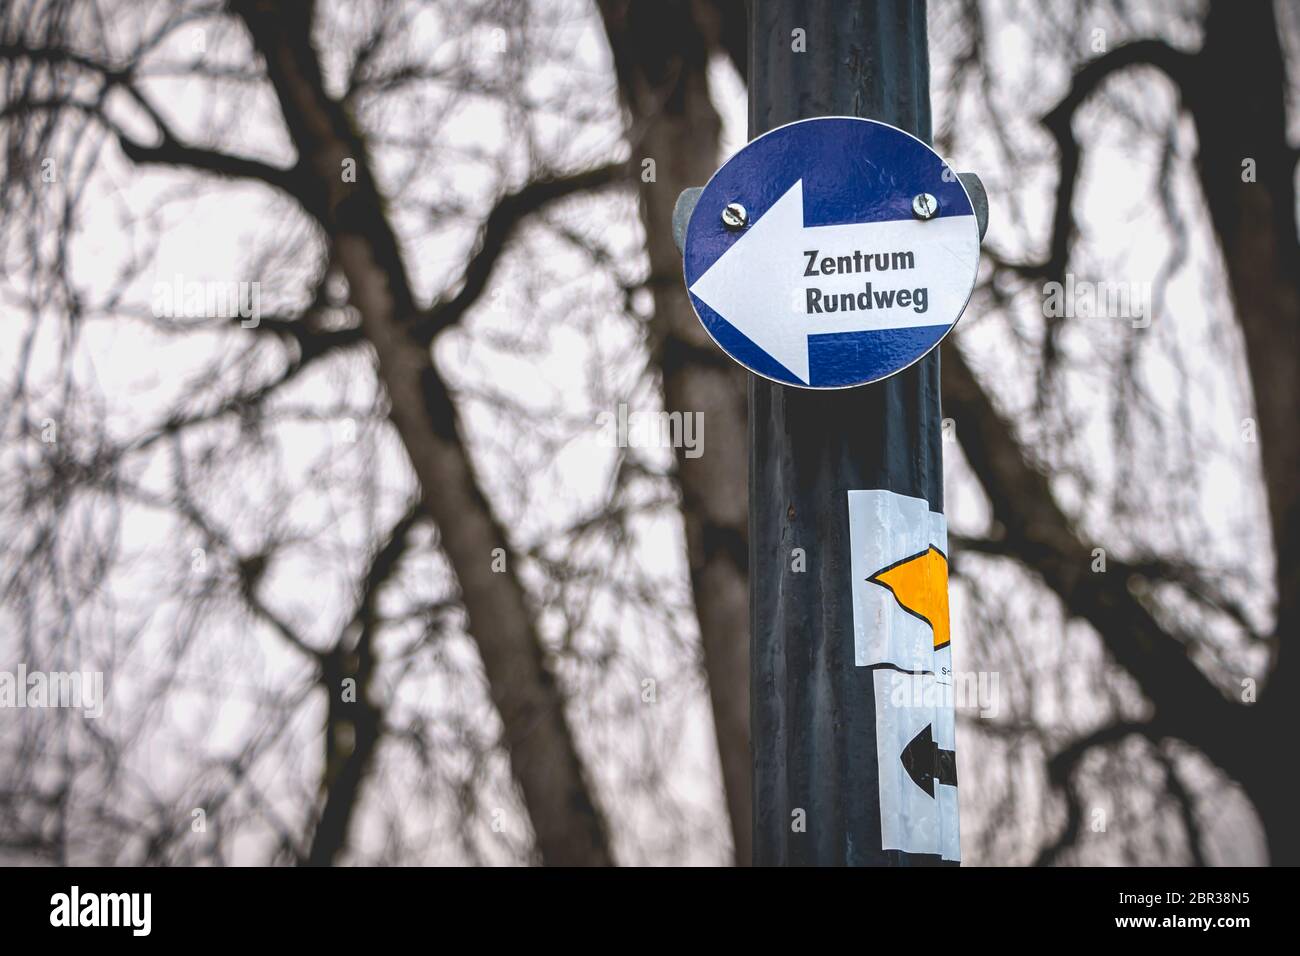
(682, 214)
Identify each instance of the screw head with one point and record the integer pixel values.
(924, 206)
(734, 216)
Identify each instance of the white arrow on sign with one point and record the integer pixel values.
(759, 284)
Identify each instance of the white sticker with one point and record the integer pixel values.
(916, 750)
(899, 564)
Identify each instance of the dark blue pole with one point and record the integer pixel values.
(813, 711)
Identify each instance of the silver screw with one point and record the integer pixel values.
(734, 216)
(924, 205)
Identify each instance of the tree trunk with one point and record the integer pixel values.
(569, 828)
(661, 58)
(1236, 96)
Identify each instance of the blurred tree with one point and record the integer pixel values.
(365, 587)
(1241, 125)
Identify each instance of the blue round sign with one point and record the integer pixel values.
(831, 252)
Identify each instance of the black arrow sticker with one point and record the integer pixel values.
(925, 762)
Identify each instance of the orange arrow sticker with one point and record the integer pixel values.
(920, 586)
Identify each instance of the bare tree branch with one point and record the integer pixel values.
(569, 827)
(354, 722)
(494, 237)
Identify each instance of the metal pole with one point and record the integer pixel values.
(812, 710)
